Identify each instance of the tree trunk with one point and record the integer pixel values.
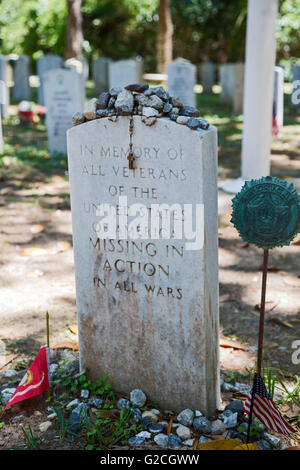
(164, 36)
(74, 35)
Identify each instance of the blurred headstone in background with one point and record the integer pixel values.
(44, 64)
(125, 72)
(21, 89)
(63, 98)
(100, 74)
(78, 66)
(232, 84)
(181, 81)
(207, 76)
(296, 76)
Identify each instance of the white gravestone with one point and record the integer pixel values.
(78, 66)
(278, 97)
(63, 98)
(101, 74)
(232, 84)
(4, 77)
(207, 72)
(181, 81)
(21, 89)
(125, 72)
(44, 64)
(147, 308)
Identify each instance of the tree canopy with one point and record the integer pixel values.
(203, 29)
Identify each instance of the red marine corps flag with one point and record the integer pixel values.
(35, 381)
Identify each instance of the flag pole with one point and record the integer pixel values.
(48, 346)
(260, 336)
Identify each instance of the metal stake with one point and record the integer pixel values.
(260, 336)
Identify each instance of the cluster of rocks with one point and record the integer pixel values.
(188, 426)
(139, 99)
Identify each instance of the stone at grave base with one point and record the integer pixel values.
(147, 319)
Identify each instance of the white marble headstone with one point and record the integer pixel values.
(63, 98)
(21, 89)
(207, 72)
(44, 64)
(4, 77)
(232, 84)
(278, 98)
(147, 308)
(125, 72)
(101, 74)
(181, 81)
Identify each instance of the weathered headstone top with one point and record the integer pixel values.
(63, 97)
(147, 301)
(181, 80)
(123, 72)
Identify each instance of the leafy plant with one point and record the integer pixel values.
(32, 441)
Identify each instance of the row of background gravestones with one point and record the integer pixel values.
(65, 91)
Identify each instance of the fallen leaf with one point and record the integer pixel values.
(225, 343)
(74, 329)
(246, 447)
(292, 448)
(37, 228)
(220, 444)
(33, 251)
(66, 345)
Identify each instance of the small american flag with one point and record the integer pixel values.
(264, 408)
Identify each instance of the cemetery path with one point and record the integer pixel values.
(37, 275)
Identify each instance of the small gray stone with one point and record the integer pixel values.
(77, 118)
(198, 414)
(137, 87)
(90, 109)
(123, 403)
(202, 425)
(149, 112)
(161, 440)
(124, 103)
(217, 427)
(263, 444)
(53, 369)
(78, 417)
(152, 101)
(160, 92)
(111, 103)
(189, 111)
(183, 432)
(136, 414)
(176, 102)
(115, 91)
(203, 124)
(182, 119)
(235, 406)
(84, 394)
(188, 442)
(174, 441)
(95, 402)
(272, 440)
(144, 434)
(193, 123)
(230, 421)
(103, 113)
(103, 100)
(242, 388)
(9, 374)
(136, 441)
(225, 387)
(173, 116)
(225, 414)
(149, 121)
(186, 417)
(204, 439)
(137, 397)
(167, 108)
(175, 110)
(6, 394)
(155, 428)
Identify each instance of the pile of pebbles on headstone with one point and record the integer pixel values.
(139, 99)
